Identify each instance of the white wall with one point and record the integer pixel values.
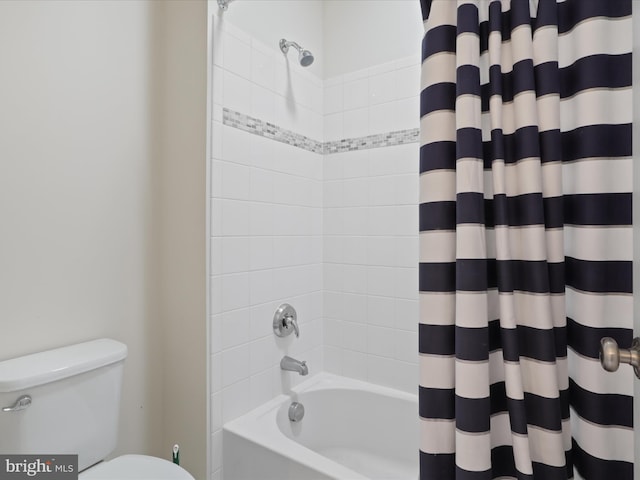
(370, 249)
(370, 229)
(344, 35)
(75, 190)
(266, 226)
(270, 20)
(80, 197)
(359, 34)
(285, 223)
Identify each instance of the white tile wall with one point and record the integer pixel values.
(387, 93)
(266, 227)
(335, 236)
(371, 241)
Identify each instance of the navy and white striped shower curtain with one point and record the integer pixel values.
(525, 239)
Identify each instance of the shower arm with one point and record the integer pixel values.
(285, 44)
(305, 57)
(224, 4)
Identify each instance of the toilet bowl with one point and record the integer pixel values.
(67, 401)
(138, 467)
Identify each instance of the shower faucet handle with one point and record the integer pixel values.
(292, 322)
(611, 356)
(285, 321)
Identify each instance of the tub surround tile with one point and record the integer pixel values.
(294, 211)
(237, 55)
(216, 450)
(235, 365)
(216, 412)
(236, 400)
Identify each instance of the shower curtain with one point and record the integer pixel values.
(525, 239)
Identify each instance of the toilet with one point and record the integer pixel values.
(67, 401)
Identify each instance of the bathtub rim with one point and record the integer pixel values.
(269, 436)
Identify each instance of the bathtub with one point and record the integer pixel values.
(351, 430)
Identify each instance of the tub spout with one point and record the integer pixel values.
(293, 365)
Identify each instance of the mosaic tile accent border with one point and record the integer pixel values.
(256, 126)
(390, 139)
(269, 130)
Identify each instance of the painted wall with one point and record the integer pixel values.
(180, 212)
(360, 34)
(80, 200)
(76, 192)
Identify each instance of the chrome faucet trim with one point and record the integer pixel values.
(293, 365)
(285, 321)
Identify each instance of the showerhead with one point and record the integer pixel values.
(305, 57)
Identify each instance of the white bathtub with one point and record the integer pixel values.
(351, 430)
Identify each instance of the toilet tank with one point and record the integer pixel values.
(75, 401)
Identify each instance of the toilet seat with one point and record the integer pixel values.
(136, 467)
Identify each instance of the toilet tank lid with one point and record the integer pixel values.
(44, 367)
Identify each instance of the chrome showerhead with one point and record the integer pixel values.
(305, 57)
